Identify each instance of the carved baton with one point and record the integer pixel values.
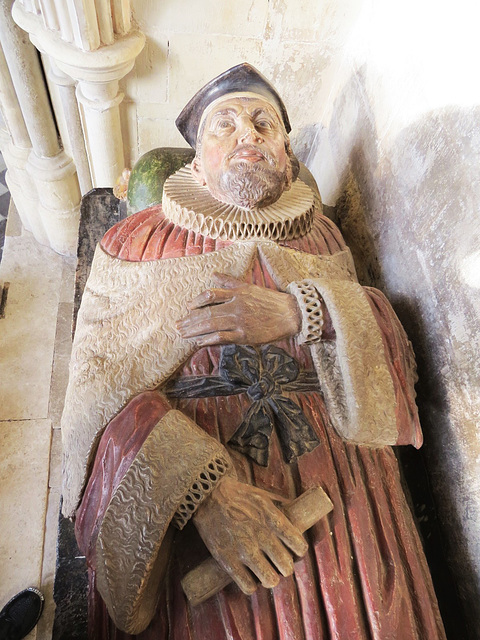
(209, 578)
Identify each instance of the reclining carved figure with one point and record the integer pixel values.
(225, 361)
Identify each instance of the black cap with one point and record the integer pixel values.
(242, 78)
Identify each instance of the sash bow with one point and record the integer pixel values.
(265, 374)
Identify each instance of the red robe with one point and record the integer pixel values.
(365, 575)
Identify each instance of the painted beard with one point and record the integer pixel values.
(254, 185)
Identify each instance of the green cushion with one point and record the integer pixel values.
(145, 186)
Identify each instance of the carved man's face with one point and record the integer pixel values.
(242, 156)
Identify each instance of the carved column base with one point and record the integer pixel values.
(22, 188)
(58, 200)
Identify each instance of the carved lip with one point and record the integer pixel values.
(249, 153)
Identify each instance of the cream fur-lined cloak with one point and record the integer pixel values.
(126, 342)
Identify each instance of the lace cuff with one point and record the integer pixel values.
(310, 303)
(203, 485)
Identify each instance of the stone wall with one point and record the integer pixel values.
(397, 152)
(188, 43)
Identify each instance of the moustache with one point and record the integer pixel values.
(253, 149)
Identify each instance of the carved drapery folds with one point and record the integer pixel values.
(87, 46)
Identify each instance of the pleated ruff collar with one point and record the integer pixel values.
(191, 206)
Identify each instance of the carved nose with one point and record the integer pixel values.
(252, 133)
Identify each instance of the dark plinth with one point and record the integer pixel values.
(100, 210)
(70, 589)
(422, 503)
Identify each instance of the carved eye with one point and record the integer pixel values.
(223, 125)
(264, 124)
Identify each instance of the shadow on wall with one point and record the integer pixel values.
(411, 218)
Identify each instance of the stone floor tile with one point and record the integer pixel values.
(27, 332)
(45, 624)
(55, 475)
(24, 457)
(14, 224)
(67, 290)
(61, 359)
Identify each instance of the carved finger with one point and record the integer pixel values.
(269, 495)
(262, 568)
(288, 533)
(220, 337)
(210, 296)
(278, 555)
(196, 315)
(241, 576)
(207, 326)
(226, 281)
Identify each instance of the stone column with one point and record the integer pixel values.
(22, 188)
(59, 199)
(52, 171)
(102, 130)
(12, 114)
(66, 88)
(65, 26)
(97, 74)
(16, 147)
(83, 17)
(24, 66)
(49, 14)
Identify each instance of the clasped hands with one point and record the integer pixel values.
(240, 524)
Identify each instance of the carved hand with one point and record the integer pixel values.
(242, 528)
(240, 313)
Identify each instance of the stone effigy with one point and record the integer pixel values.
(225, 361)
